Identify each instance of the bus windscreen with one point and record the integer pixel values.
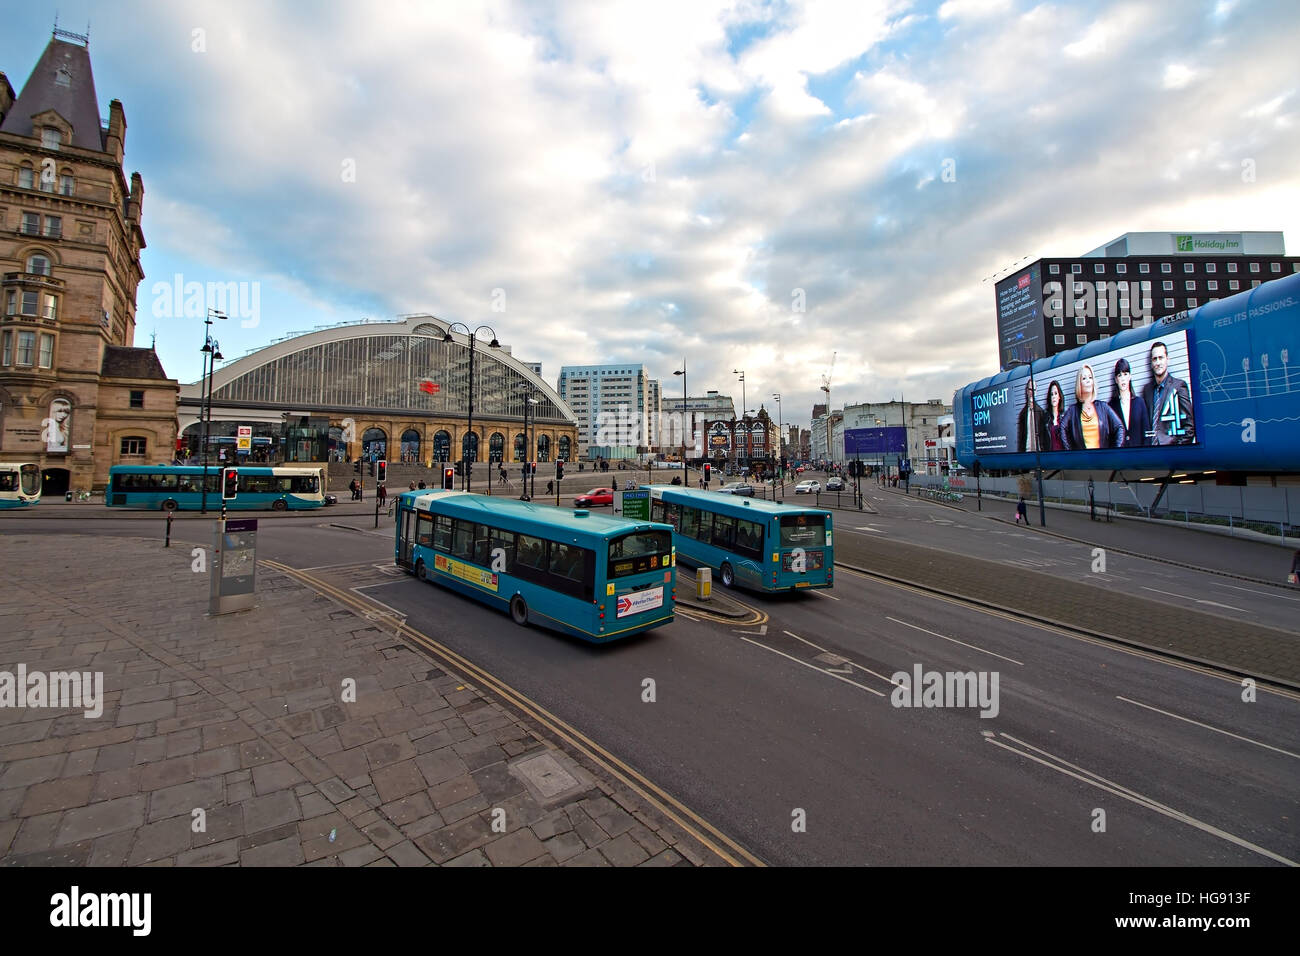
(638, 552)
(802, 531)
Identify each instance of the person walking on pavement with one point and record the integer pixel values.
(1022, 511)
(382, 492)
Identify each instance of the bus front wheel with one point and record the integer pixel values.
(169, 505)
(280, 505)
(728, 576)
(420, 571)
(519, 610)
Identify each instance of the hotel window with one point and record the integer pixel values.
(1059, 339)
(1233, 285)
(1076, 269)
(1105, 335)
(1054, 270)
(1081, 339)
(31, 224)
(1232, 267)
(1103, 321)
(51, 309)
(1080, 320)
(1146, 305)
(133, 446)
(29, 303)
(1211, 267)
(137, 398)
(1169, 303)
(1125, 320)
(26, 177)
(47, 351)
(1078, 288)
(1121, 268)
(1123, 305)
(1189, 285)
(1254, 283)
(1058, 320)
(7, 352)
(1212, 285)
(1254, 267)
(26, 347)
(11, 306)
(53, 227)
(1275, 267)
(1168, 285)
(38, 265)
(1144, 267)
(1191, 303)
(67, 185)
(1189, 267)
(1166, 267)
(50, 138)
(1099, 269)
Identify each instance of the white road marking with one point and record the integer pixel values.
(1101, 783)
(869, 528)
(1285, 597)
(819, 670)
(762, 630)
(1183, 597)
(361, 587)
(825, 595)
(955, 641)
(1208, 727)
(887, 680)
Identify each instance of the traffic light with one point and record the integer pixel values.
(449, 478)
(559, 469)
(708, 472)
(381, 471)
(532, 467)
(229, 484)
(356, 467)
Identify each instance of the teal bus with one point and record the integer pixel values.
(597, 577)
(169, 487)
(20, 484)
(749, 542)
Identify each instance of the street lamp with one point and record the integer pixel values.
(464, 451)
(1032, 429)
(682, 372)
(744, 407)
(211, 352)
(530, 401)
(780, 442)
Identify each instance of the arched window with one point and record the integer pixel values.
(26, 176)
(374, 444)
(442, 446)
(543, 447)
(521, 447)
(564, 449)
(38, 265)
(497, 447)
(410, 446)
(469, 446)
(67, 185)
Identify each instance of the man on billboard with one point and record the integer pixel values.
(1169, 402)
(1031, 434)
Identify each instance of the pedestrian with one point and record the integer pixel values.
(352, 487)
(550, 487)
(1294, 576)
(383, 495)
(1022, 512)
(412, 486)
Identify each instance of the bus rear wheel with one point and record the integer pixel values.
(728, 576)
(169, 505)
(280, 505)
(420, 571)
(519, 610)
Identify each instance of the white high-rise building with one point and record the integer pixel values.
(614, 405)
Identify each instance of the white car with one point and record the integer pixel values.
(808, 487)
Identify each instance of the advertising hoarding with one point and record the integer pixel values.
(1079, 406)
(1020, 316)
(861, 442)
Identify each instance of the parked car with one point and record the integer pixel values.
(799, 470)
(595, 498)
(835, 483)
(743, 488)
(810, 487)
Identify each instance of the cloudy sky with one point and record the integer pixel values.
(740, 184)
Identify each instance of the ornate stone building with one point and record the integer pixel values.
(75, 396)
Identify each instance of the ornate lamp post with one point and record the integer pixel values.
(467, 462)
(211, 353)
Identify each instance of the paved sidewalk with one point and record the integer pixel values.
(225, 741)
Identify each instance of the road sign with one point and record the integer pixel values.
(244, 439)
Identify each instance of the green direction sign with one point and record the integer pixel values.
(636, 504)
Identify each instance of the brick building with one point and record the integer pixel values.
(75, 396)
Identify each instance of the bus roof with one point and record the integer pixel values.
(213, 466)
(580, 520)
(733, 504)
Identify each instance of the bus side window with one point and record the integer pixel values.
(442, 534)
(530, 552)
(690, 522)
(462, 542)
(501, 544)
(724, 528)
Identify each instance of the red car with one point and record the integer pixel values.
(595, 498)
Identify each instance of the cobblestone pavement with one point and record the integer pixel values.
(226, 741)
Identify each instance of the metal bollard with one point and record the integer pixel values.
(704, 584)
(168, 542)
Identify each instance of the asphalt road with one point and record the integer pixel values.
(784, 736)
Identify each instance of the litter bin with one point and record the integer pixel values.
(704, 584)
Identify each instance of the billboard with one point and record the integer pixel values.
(860, 442)
(1131, 397)
(1020, 317)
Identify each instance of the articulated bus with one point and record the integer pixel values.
(750, 542)
(596, 577)
(171, 487)
(20, 484)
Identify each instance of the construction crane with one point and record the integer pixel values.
(826, 387)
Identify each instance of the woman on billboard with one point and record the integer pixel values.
(1056, 417)
(1130, 408)
(1091, 424)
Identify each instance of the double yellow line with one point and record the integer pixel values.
(697, 827)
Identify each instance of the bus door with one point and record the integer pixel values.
(405, 536)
